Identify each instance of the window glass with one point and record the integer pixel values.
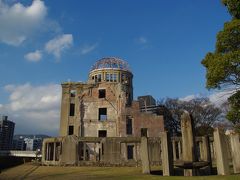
(115, 77)
(107, 77)
(102, 115)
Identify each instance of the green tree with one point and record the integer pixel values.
(223, 65)
(234, 114)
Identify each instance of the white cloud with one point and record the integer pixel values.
(217, 97)
(34, 56)
(220, 97)
(88, 48)
(142, 40)
(35, 109)
(57, 45)
(19, 21)
(189, 97)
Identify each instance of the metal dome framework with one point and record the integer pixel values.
(111, 63)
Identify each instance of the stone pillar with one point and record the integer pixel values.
(174, 149)
(44, 151)
(95, 154)
(221, 152)
(136, 156)
(145, 156)
(200, 144)
(206, 153)
(235, 147)
(213, 154)
(47, 158)
(179, 150)
(54, 151)
(188, 142)
(167, 159)
(84, 151)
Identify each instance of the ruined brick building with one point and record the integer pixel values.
(101, 123)
(104, 105)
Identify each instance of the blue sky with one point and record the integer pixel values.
(43, 43)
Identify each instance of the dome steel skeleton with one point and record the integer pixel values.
(111, 63)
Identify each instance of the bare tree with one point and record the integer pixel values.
(204, 113)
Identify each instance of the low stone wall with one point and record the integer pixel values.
(146, 152)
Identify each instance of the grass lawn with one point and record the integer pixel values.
(30, 171)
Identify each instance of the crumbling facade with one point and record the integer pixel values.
(104, 106)
(102, 125)
(101, 114)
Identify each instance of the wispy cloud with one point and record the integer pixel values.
(87, 48)
(33, 56)
(18, 22)
(142, 40)
(220, 97)
(217, 98)
(59, 44)
(190, 97)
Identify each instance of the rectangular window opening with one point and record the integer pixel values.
(72, 109)
(101, 93)
(99, 77)
(107, 77)
(70, 130)
(102, 114)
(111, 77)
(115, 77)
(130, 151)
(144, 132)
(102, 133)
(129, 126)
(73, 93)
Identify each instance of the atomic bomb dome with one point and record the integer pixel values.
(111, 69)
(111, 63)
(103, 107)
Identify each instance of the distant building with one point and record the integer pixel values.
(29, 142)
(6, 133)
(33, 144)
(19, 144)
(147, 103)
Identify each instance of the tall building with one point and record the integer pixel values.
(29, 142)
(19, 144)
(6, 133)
(33, 144)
